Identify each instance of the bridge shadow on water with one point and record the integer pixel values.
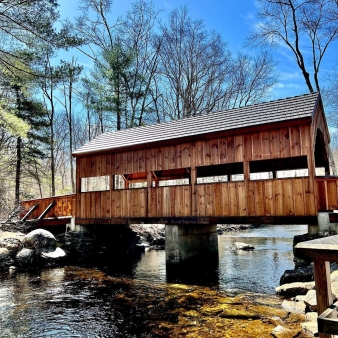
(201, 273)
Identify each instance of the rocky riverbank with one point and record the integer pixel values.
(35, 249)
(301, 299)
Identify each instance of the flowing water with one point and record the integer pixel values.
(141, 299)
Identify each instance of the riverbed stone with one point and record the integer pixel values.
(52, 258)
(301, 274)
(295, 289)
(238, 314)
(40, 239)
(310, 328)
(5, 258)
(294, 307)
(11, 244)
(25, 258)
(241, 246)
(281, 332)
(311, 316)
(310, 300)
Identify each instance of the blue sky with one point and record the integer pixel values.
(233, 19)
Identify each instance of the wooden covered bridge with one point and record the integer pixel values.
(265, 163)
(255, 164)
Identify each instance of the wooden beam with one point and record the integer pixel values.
(50, 206)
(29, 212)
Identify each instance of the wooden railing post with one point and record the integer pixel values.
(323, 288)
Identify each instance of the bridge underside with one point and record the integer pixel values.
(310, 220)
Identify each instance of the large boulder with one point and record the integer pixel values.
(40, 240)
(25, 258)
(302, 274)
(52, 258)
(5, 258)
(294, 289)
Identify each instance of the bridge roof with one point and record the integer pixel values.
(287, 109)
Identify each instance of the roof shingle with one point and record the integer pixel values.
(258, 114)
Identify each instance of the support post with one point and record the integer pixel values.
(323, 288)
(187, 243)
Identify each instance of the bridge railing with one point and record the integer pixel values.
(63, 206)
(271, 197)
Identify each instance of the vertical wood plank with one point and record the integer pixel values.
(285, 142)
(141, 161)
(178, 156)
(239, 144)
(259, 198)
(268, 199)
(218, 195)
(233, 199)
(256, 148)
(241, 199)
(199, 153)
(207, 152)
(278, 196)
(287, 197)
(266, 151)
(186, 155)
(214, 151)
(298, 194)
(209, 199)
(230, 149)
(332, 197)
(130, 162)
(295, 141)
(275, 143)
(222, 149)
(225, 199)
(251, 205)
(200, 200)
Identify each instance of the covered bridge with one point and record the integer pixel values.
(254, 164)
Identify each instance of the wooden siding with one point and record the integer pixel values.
(276, 143)
(64, 206)
(327, 193)
(278, 197)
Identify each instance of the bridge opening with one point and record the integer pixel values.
(296, 166)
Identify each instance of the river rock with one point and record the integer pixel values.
(281, 332)
(241, 246)
(302, 274)
(52, 258)
(40, 239)
(11, 244)
(25, 258)
(5, 258)
(295, 289)
(311, 300)
(310, 328)
(294, 307)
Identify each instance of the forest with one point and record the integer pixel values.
(144, 71)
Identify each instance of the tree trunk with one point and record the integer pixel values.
(18, 170)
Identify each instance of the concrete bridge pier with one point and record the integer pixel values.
(324, 226)
(190, 243)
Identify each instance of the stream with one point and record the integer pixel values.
(140, 299)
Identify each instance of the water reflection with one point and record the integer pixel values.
(204, 273)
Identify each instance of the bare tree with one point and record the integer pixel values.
(251, 79)
(194, 66)
(301, 25)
